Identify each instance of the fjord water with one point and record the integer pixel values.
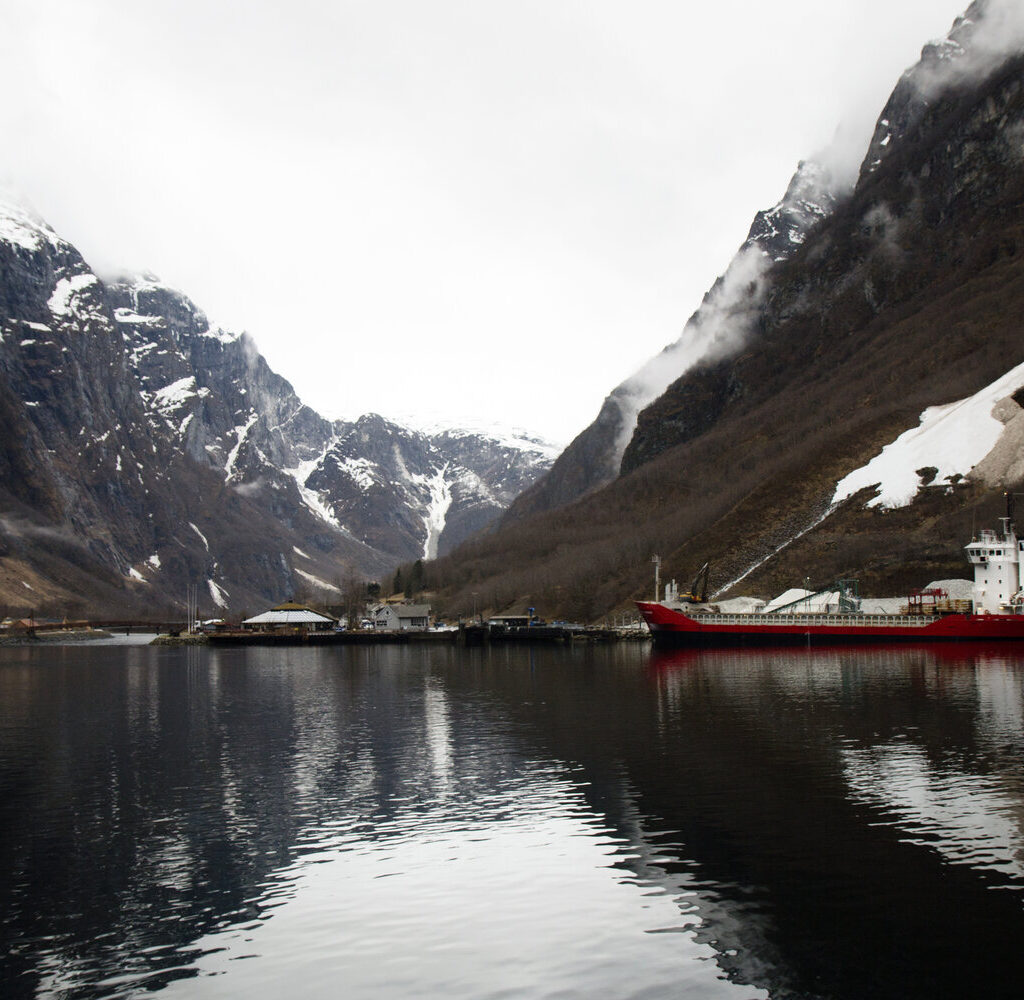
(513, 822)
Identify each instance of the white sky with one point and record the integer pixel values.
(468, 210)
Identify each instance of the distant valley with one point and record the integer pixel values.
(146, 450)
(848, 400)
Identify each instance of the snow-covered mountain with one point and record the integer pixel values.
(164, 447)
(407, 493)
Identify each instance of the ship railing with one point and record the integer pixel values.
(855, 620)
(947, 607)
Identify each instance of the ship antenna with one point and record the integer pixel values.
(1009, 507)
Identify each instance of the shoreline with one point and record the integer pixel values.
(466, 635)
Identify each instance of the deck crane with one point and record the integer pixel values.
(699, 588)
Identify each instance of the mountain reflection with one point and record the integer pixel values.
(840, 823)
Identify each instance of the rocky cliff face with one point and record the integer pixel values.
(919, 219)
(145, 449)
(413, 494)
(901, 299)
(986, 34)
(985, 37)
(723, 320)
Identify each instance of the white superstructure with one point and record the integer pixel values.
(998, 559)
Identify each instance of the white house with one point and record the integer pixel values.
(399, 617)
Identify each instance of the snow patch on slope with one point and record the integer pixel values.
(953, 439)
(172, 396)
(217, 593)
(123, 315)
(505, 436)
(21, 227)
(217, 332)
(360, 471)
(470, 484)
(317, 581)
(65, 299)
(201, 535)
(313, 500)
(436, 514)
(241, 433)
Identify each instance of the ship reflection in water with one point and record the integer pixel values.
(396, 821)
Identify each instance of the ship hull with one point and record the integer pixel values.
(674, 628)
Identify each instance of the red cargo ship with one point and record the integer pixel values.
(996, 611)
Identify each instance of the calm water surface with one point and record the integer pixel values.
(594, 822)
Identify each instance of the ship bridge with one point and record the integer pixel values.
(998, 560)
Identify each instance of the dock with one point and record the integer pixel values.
(466, 634)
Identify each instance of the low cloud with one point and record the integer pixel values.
(884, 228)
(250, 489)
(21, 529)
(719, 327)
(979, 41)
(989, 33)
(249, 350)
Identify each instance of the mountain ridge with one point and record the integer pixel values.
(593, 458)
(900, 298)
(147, 448)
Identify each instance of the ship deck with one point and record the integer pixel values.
(672, 627)
(813, 620)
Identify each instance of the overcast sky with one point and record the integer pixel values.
(487, 211)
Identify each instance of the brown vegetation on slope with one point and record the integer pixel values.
(907, 297)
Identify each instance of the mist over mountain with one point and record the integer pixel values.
(849, 321)
(722, 322)
(146, 449)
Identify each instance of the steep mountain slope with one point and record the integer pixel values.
(905, 297)
(415, 494)
(145, 450)
(405, 493)
(723, 319)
